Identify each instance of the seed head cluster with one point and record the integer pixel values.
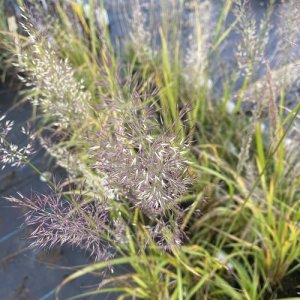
(148, 169)
(63, 97)
(251, 48)
(59, 94)
(12, 154)
(58, 221)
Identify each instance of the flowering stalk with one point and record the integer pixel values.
(12, 154)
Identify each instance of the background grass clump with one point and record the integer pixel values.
(179, 165)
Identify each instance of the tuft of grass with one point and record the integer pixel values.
(118, 123)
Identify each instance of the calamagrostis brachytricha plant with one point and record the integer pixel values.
(140, 167)
(139, 164)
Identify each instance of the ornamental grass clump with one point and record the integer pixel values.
(152, 178)
(141, 162)
(138, 167)
(135, 162)
(230, 232)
